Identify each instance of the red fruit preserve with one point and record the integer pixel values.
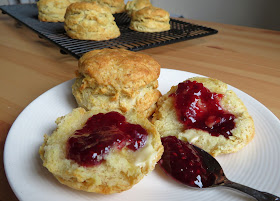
(181, 161)
(198, 108)
(89, 145)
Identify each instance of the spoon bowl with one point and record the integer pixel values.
(195, 167)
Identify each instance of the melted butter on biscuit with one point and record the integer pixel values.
(145, 155)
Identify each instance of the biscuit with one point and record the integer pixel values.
(117, 79)
(75, 1)
(136, 5)
(115, 6)
(52, 10)
(90, 21)
(166, 120)
(119, 170)
(150, 19)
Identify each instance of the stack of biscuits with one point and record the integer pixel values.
(108, 80)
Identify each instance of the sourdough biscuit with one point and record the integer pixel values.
(90, 21)
(121, 169)
(150, 19)
(136, 5)
(117, 79)
(115, 6)
(166, 121)
(52, 10)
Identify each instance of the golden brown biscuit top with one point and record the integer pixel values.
(86, 6)
(137, 4)
(55, 3)
(152, 12)
(75, 1)
(116, 6)
(119, 68)
(112, 3)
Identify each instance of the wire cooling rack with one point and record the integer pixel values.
(27, 14)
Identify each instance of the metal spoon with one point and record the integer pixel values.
(194, 167)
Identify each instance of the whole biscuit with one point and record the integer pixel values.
(117, 79)
(52, 10)
(166, 121)
(119, 172)
(136, 5)
(90, 21)
(150, 19)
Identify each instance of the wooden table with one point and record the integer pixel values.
(246, 58)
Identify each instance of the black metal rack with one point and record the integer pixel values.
(27, 14)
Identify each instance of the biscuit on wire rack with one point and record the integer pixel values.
(90, 21)
(52, 10)
(150, 19)
(135, 5)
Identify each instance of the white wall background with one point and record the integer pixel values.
(254, 13)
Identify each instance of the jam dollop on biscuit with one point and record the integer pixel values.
(90, 145)
(198, 108)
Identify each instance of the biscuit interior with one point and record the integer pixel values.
(117, 79)
(166, 121)
(119, 172)
(150, 19)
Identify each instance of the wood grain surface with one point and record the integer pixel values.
(246, 58)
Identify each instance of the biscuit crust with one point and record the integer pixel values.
(115, 6)
(117, 79)
(150, 19)
(90, 21)
(119, 172)
(167, 124)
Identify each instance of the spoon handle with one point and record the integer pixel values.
(261, 196)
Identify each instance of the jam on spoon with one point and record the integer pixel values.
(90, 145)
(198, 108)
(194, 167)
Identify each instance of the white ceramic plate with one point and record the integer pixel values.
(257, 165)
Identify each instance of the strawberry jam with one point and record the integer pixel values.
(198, 108)
(90, 145)
(182, 162)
